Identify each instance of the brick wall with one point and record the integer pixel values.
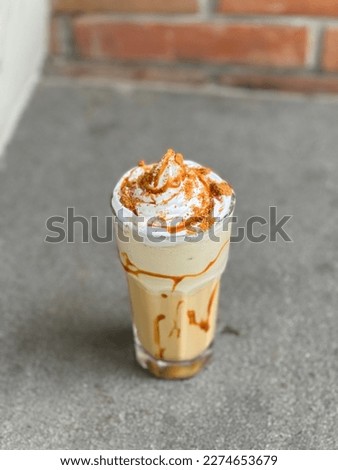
(275, 44)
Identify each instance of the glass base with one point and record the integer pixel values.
(172, 370)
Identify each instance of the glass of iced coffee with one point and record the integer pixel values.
(173, 225)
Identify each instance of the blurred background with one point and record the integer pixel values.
(67, 373)
(289, 45)
(270, 44)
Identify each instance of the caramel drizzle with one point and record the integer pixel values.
(150, 180)
(131, 268)
(175, 328)
(157, 335)
(163, 165)
(203, 324)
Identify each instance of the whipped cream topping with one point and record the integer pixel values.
(176, 194)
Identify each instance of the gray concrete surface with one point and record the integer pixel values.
(67, 373)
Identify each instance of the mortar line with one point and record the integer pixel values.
(319, 48)
(212, 19)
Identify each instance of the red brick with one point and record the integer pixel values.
(104, 39)
(127, 6)
(281, 46)
(300, 84)
(280, 7)
(330, 52)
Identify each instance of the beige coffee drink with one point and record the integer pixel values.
(173, 236)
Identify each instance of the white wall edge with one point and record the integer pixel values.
(24, 47)
(18, 108)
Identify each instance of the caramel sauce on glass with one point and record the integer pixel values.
(157, 335)
(131, 268)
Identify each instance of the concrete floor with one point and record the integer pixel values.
(67, 374)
